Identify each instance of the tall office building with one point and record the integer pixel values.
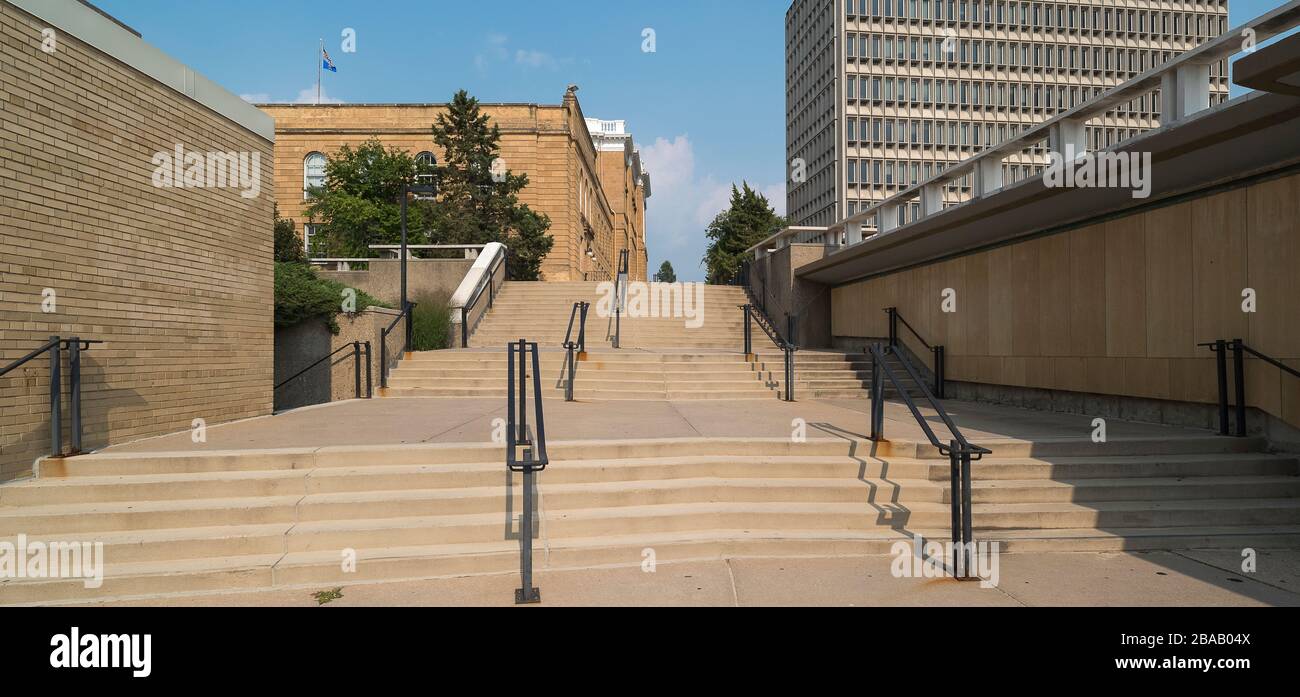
(882, 94)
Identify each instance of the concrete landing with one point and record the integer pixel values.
(1110, 579)
(470, 420)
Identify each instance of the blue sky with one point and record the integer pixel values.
(707, 107)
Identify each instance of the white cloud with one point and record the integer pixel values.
(497, 50)
(683, 204)
(535, 59)
(494, 51)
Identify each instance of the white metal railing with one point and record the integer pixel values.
(1184, 84)
(789, 236)
(480, 279)
(471, 250)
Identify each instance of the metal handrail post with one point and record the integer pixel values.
(1239, 375)
(356, 368)
(582, 329)
(749, 345)
(939, 382)
(954, 483)
(383, 359)
(523, 391)
(56, 398)
(370, 381)
(1221, 361)
(527, 594)
(568, 384)
(74, 377)
(789, 373)
(967, 534)
(877, 396)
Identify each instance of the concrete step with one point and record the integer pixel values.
(312, 570)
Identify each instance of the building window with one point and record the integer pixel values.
(308, 231)
(313, 174)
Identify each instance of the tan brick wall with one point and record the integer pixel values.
(178, 282)
(549, 143)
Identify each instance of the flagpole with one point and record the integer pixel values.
(320, 61)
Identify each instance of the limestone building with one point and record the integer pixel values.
(882, 94)
(594, 198)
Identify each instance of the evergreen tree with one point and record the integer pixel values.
(749, 220)
(478, 196)
(666, 273)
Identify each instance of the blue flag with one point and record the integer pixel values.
(328, 64)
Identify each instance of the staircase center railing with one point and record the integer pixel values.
(939, 353)
(1239, 350)
(754, 315)
(519, 438)
(55, 347)
(360, 355)
(386, 366)
(960, 452)
(575, 350)
(620, 297)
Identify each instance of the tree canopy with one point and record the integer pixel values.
(748, 221)
(477, 200)
(666, 274)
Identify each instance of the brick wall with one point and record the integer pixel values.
(177, 281)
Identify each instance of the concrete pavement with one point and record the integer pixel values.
(1109, 579)
(471, 420)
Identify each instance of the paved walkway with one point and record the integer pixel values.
(1113, 579)
(470, 420)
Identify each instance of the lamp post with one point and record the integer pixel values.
(428, 190)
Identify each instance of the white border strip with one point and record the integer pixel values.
(102, 33)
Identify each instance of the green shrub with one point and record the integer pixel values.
(301, 295)
(431, 323)
(288, 246)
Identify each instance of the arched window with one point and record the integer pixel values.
(426, 159)
(313, 174)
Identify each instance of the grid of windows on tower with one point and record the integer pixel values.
(919, 85)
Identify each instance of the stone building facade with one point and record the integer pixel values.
(596, 203)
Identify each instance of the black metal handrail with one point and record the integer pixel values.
(575, 350)
(940, 353)
(359, 349)
(534, 457)
(620, 288)
(384, 365)
(1239, 350)
(54, 347)
(489, 285)
(754, 315)
(960, 452)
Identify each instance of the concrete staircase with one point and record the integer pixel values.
(660, 358)
(605, 375)
(540, 312)
(206, 522)
(822, 374)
